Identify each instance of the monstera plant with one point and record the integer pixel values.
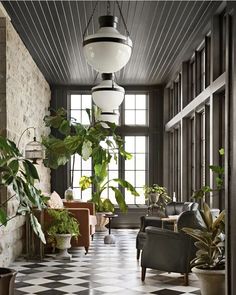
(97, 141)
(19, 175)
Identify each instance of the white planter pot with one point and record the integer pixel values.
(212, 282)
(101, 222)
(63, 244)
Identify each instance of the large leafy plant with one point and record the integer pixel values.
(19, 175)
(95, 141)
(210, 241)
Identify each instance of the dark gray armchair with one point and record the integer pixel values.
(173, 208)
(171, 251)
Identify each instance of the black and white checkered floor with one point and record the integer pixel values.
(107, 269)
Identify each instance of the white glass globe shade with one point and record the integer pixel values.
(109, 117)
(107, 51)
(108, 96)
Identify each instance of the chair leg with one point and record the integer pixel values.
(86, 250)
(92, 236)
(186, 279)
(138, 253)
(143, 274)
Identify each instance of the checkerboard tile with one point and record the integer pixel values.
(106, 269)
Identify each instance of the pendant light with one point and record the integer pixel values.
(108, 95)
(107, 51)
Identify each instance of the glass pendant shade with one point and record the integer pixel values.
(107, 51)
(108, 96)
(34, 151)
(111, 117)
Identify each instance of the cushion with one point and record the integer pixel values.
(55, 201)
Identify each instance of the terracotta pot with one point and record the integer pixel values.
(63, 244)
(7, 281)
(101, 221)
(212, 282)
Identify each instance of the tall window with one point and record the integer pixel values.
(134, 114)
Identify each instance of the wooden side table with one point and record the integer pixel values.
(171, 219)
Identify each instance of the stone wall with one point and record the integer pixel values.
(24, 101)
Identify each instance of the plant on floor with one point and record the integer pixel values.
(210, 241)
(93, 141)
(64, 226)
(18, 176)
(63, 222)
(161, 197)
(209, 263)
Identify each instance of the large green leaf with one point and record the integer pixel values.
(127, 185)
(64, 127)
(14, 166)
(207, 216)
(119, 199)
(37, 228)
(101, 170)
(31, 170)
(86, 150)
(108, 206)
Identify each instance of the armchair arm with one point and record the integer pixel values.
(150, 221)
(167, 250)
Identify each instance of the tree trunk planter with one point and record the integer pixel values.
(63, 244)
(101, 222)
(7, 281)
(212, 282)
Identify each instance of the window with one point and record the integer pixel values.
(134, 114)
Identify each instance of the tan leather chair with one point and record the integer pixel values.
(82, 214)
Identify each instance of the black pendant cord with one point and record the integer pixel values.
(90, 19)
(123, 20)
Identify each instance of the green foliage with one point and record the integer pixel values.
(93, 141)
(164, 198)
(210, 241)
(63, 223)
(219, 171)
(20, 175)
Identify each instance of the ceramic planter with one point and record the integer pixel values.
(63, 244)
(212, 282)
(101, 221)
(7, 281)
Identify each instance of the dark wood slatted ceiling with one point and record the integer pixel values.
(52, 31)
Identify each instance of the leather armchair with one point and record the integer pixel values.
(171, 251)
(173, 208)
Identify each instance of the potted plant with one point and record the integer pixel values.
(63, 227)
(17, 180)
(157, 196)
(95, 141)
(209, 263)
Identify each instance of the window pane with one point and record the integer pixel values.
(129, 144)
(87, 165)
(77, 165)
(113, 165)
(140, 199)
(140, 178)
(141, 117)
(77, 193)
(129, 101)
(75, 101)
(129, 198)
(129, 117)
(140, 101)
(140, 161)
(129, 164)
(87, 194)
(85, 118)
(77, 176)
(76, 115)
(86, 101)
(129, 176)
(140, 144)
